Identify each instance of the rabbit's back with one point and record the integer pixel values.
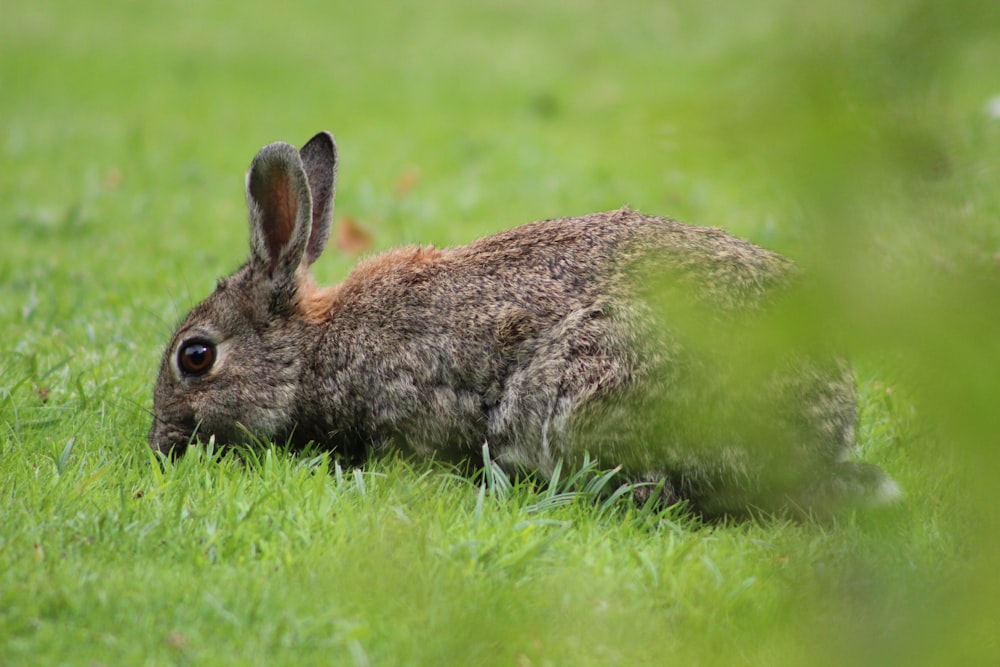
(594, 253)
(556, 265)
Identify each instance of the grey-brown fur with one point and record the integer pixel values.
(542, 340)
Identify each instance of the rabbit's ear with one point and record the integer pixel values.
(280, 211)
(319, 158)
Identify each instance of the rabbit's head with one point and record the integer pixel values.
(232, 367)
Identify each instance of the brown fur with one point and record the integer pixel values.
(316, 304)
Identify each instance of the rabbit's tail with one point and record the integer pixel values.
(850, 484)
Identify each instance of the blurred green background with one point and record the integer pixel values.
(861, 138)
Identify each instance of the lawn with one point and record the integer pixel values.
(862, 140)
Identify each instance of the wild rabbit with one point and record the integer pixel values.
(544, 341)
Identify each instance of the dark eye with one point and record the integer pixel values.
(196, 356)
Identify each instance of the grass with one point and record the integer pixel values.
(855, 139)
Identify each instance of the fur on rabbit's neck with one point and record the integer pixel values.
(316, 303)
(402, 267)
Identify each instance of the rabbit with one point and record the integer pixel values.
(544, 342)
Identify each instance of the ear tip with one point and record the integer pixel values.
(277, 153)
(277, 149)
(322, 140)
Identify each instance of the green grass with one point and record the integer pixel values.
(855, 139)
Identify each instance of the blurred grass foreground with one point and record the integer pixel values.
(861, 139)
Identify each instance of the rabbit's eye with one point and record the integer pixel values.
(196, 356)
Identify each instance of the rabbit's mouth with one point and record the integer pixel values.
(173, 438)
(170, 438)
(168, 443)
